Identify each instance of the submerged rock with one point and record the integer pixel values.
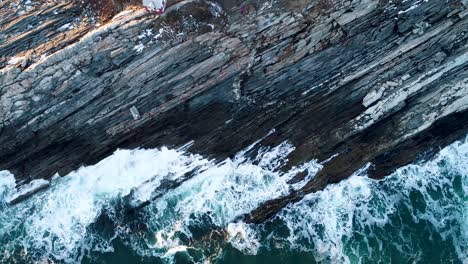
(367, 81)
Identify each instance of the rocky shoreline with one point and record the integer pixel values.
(347, 82)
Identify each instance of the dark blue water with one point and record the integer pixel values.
(419, 214)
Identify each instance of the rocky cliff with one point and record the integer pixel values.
(348, 83)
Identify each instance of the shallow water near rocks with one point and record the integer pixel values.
(418, 214)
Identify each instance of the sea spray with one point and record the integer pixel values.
(7, 185)
(213, 199)
(62, 223)
(54, 224)
(417, 214)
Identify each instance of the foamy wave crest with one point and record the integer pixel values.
(416, 214)
(55, 224)
(172, 206)
(70, 220)
(7, 186)
(203, 208)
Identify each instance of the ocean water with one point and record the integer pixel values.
(419, 214)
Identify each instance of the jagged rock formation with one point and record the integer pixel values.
(360, 81)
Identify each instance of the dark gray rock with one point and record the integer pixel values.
(369, 80)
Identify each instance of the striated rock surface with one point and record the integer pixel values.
(346, 82)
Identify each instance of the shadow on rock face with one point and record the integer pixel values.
(226, 4)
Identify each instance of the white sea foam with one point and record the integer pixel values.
(7, 185)
(56, 223)
(28, 189)
(9, 192)
(243, 237)
(218, 196)
(329, 222)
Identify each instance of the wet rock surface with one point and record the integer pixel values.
(361, 81)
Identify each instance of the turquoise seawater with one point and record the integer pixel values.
(419, 214)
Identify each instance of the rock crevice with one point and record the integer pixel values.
(362, 81)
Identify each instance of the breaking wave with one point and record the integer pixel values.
(416, 215)
(167, 205)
